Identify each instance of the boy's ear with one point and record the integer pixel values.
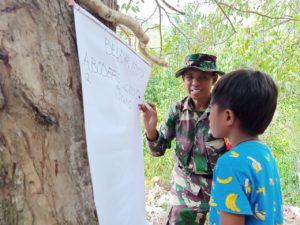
(230, 117)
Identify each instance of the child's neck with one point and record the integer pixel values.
(237, 138)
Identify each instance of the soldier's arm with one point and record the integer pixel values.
(164, 135)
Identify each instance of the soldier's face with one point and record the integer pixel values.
(198, 84)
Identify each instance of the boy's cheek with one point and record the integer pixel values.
(214, 133)
(212, 128)
(215, 129)
(213, 123)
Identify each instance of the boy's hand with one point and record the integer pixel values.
(150, 119)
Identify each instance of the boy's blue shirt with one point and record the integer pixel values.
(246, 181)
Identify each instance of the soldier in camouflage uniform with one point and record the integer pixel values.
(196, 151)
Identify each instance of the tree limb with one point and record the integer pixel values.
(183, 34)
(149, 16)
(289, 18)
(150, 28)
(119, 18)
(155, 59)
(160, 33)
(126, 33)
(225, 14)
(172, 8)
(167, 14)
(276, 25)
(130, 1)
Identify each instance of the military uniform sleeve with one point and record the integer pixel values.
(228, 192)
(165, 134)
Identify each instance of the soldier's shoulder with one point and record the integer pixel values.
(179, 105)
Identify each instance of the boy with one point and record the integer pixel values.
(246, 186)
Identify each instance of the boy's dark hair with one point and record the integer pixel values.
(251, 95)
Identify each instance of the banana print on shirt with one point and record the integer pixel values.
(230, 202)
(256, 165)
(224, 181)
(246, 182)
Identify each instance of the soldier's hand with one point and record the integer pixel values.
(150, 119)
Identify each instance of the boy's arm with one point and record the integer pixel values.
(231, 219)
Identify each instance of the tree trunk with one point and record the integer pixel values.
(44, 172)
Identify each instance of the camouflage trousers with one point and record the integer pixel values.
(189, 199)
(181, 215)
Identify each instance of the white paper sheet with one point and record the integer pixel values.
(113, 77)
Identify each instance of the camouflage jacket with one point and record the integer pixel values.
(196, 152)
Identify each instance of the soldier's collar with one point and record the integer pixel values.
(189, 105)
(206, 113)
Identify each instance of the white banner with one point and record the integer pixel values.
(114, 79)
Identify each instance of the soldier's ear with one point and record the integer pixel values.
(215, 77)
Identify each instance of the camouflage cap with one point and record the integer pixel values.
(200, 61)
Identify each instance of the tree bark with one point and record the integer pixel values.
(44, 172)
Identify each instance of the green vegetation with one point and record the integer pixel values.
(267, 40)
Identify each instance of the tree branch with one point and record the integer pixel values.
(160, 33)
(276, 25)
(172, 8)
(151, 57)
(289, 18)
(119, 18)
(130, 1)
(183, 34)
(150, 28)
(220, 7)
(149, 16)
(126, 33)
